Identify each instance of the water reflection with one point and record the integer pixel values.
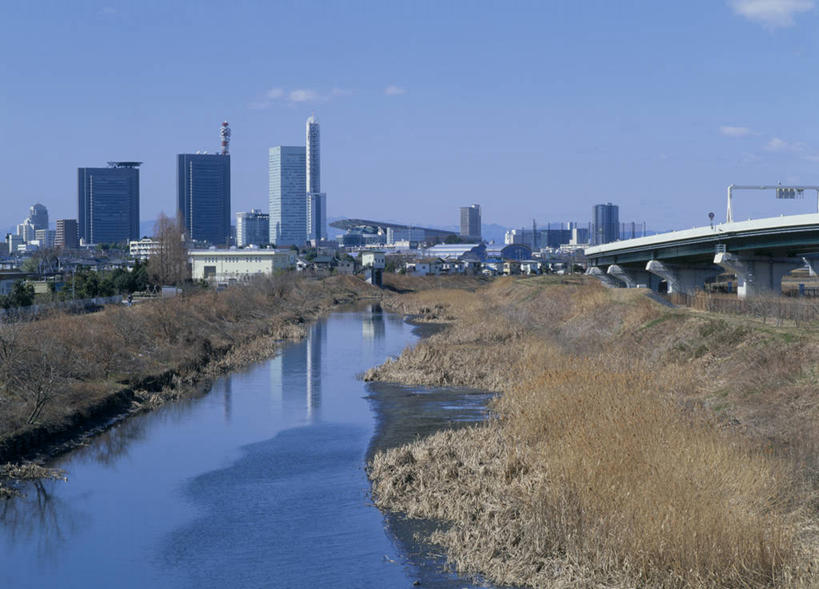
(373, 326)
(315, 340)
(227, 395)
(42, 516)
(112, 445)
(296, 374)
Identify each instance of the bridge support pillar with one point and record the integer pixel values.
(632, 277)
(602, 277)
(757, 275)
(812, 261)
(684, 278)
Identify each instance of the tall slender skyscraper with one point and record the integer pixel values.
(606, 224)
(471, 222)
(316, 199)
(288, 187)
(108, 202)
(313, 155)
(203, 196)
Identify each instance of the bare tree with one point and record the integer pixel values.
(169, 264)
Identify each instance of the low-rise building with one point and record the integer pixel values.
(223, 266)
(346, 267)
(531, 267)
(424, 266)
(373, 259)
(13, 242)
(144, 248)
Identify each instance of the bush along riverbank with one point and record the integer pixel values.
(66, 376)
(633, 444)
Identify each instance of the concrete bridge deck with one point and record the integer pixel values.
(759, 252)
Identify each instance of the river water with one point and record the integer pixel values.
(258, 483)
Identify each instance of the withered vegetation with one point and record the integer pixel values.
(57, 372)
(633, 444)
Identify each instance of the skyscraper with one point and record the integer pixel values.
(203, 196)
(108, 202)
(605, 224)
(288, 187)
(313, 155)
(26, 231)
(252, 228)
(316, 199)
(471, 222)
(38, 215)
(316, 216)
(67, 234)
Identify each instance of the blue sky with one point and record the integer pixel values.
(532, 109)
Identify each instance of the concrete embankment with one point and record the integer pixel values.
(634, 444)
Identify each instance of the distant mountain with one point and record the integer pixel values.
(493, 232)
(146, 228)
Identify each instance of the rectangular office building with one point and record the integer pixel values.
(203, 196)
(252, 228)
(108, 203)
(606, 224)
(288, 196)
(67, 235)
(471, 222)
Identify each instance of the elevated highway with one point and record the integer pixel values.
(759, 252)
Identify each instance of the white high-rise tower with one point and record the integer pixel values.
(316, 199)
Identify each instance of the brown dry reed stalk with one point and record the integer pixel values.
(596, 471)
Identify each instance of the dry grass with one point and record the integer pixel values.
(52, 368)
(608, 464)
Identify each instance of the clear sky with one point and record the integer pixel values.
(532, 109)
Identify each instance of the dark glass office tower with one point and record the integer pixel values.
(203, 196)
(108, 203)
(606, 224)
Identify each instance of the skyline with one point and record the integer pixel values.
(529, 110)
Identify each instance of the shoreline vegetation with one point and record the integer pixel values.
(632, 444)
(66, 377)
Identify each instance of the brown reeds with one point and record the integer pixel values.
(608, 463)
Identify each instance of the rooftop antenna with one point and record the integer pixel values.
(224, 134)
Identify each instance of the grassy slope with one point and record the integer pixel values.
(635, 443)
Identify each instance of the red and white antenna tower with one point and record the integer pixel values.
(224, 135)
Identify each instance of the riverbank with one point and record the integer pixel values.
(68, 377)
(635, 444)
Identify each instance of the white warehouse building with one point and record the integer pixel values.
(235, 265)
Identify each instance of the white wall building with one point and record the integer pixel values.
(375, 260)
(235, 265)
(143, 249)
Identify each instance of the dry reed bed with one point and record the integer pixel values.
(606, 464)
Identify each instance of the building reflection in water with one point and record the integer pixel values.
(227, 394)
(295, 373)
(315, 340)
(373, 327)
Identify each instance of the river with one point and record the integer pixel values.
(260, 482)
